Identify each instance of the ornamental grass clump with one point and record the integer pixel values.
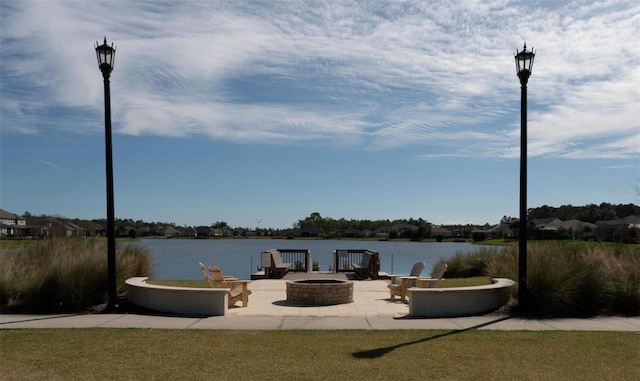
(584, 280)
(622, 279)
(64, 274)
(564, 278)
(563, 283)
(465, 265)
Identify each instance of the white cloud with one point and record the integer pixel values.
(370, 74)
(53, 165)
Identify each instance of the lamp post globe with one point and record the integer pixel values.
(524, 66)
(105, 55)
(524, 63)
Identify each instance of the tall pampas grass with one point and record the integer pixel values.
(565, 279)
(64, 274)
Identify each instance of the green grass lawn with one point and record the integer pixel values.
(498, 242)
(154, 354)
(465, 282)
(180, 283)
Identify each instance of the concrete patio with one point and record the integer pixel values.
(370, 298)
(371, 309)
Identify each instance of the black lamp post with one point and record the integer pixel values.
(106, 55)
(524, 65)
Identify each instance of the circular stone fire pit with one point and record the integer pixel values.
(320, 292)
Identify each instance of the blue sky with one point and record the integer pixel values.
(261, 113)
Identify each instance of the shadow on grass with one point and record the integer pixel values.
(379, 352)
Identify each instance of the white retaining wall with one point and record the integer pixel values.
(459, 301)
(178, 300)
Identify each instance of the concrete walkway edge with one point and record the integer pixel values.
(268, 309)
(488, 322)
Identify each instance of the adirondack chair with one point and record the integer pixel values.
(436, 276)
(238, 289)
(278, 268)
(400, 289)
(210, 278)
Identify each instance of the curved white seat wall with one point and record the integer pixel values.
(177, 300)
(459, 301)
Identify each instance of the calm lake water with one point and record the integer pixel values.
(178, 258)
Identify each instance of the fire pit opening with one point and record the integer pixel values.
(320, 292)
(320, 281)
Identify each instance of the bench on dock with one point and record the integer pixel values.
(277, 263)
(363, 262)
(278, 268)
(363, 269)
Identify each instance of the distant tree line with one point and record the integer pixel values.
(398, 228)
(589, 213)
(315, 225)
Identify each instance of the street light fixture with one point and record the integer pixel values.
(524, 65)
(106, 55)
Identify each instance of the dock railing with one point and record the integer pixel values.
(343, 258)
